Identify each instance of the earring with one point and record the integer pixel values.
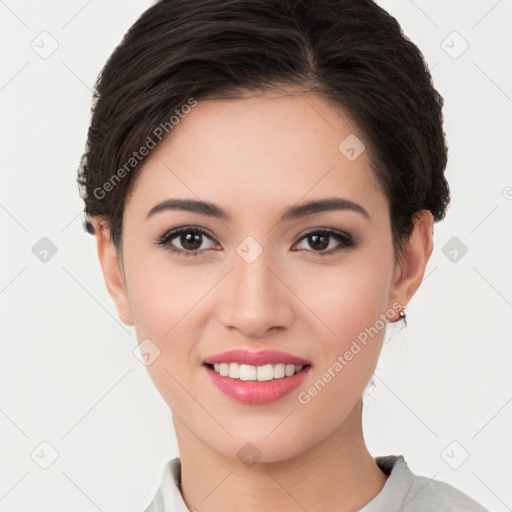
(401, 315)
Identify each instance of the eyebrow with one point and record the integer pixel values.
(292, 213)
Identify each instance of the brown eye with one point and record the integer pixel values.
(191, 241)
(325, 242)
(186, 241)
(318, 242)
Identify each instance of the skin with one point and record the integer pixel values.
(255, 157)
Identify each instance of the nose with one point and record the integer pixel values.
(254, 300)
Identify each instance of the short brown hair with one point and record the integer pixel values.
(349, 51)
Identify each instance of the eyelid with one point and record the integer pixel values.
(164, 239)
(171, 233)
(346, 239)
(332, 231)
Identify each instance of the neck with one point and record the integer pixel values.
(336, 474)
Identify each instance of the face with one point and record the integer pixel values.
(317, 284)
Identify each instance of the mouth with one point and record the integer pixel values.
(257, 377)
(256, 385)
(261, 373)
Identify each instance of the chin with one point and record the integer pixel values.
(260, 448)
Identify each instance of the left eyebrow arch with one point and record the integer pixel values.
(312, 207)
(190, 205)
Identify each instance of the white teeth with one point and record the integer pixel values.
(234, 370)
(260, 373)
(279, 371)
(265, 372)
(247, 372)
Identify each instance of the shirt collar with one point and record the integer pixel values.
(390, 498)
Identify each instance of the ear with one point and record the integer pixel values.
(112, 270)
(416, 253)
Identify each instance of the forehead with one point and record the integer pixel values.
(260, 149)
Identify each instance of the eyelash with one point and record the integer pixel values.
(164, 240)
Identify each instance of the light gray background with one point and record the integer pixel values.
(69, 377)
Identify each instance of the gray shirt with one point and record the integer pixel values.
(403, 491)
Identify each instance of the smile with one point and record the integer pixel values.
(260, 373)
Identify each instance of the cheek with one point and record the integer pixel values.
(160, 293)
(162, 300)
(168, 302)
(348, 297)
(350, 340)
(349, 301)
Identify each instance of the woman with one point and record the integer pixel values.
(262, 180)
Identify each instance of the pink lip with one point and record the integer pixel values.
(256, 392)
(258, 358)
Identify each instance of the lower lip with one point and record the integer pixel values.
(257, 392)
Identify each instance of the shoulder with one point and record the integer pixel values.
(436, 495)
(412, 493)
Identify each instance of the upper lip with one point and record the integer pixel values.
(259, 358)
